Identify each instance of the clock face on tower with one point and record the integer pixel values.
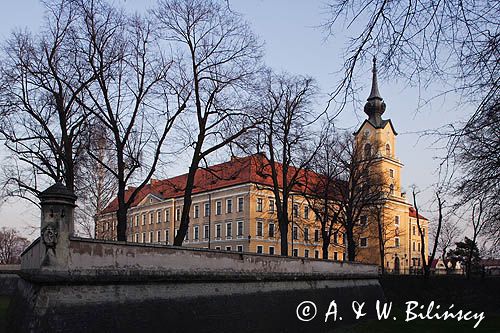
(366, 133)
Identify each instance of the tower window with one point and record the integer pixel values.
(391, 189)
(388, 150)
(368, 150)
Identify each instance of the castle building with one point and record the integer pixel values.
(233, 208)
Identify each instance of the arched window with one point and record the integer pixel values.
(368, 150)
(391, 189)
(388, 150)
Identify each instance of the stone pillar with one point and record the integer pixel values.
(57, 224)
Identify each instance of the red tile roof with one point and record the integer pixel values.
(413, 213)
(250, 169)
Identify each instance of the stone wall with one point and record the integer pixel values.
(116, 286)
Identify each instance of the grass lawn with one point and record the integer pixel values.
(4, 305)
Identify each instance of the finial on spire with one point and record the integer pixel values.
(374, 93)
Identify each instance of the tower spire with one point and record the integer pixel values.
(375, 105)
(374, 93)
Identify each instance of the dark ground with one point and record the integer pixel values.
(476, 295)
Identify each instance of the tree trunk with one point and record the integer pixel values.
(186, 208)
(351, 245)
(284, 237)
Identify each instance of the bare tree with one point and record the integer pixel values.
(426, 262)
(450, 231)
(456, 42)
(424, 41)
(42, 77)
(362, 185)
(131, 96)
(319, 187)
(478, 224)
(219, 58)
(96, 186)
(478, 158)
(12, 245)
(385, 231)
(285, 138)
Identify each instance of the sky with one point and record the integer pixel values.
(294, 43)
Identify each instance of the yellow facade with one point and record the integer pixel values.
(242, 217)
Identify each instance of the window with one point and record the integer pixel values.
(335, 237)
(196, 211)
(229, 230)
(271, 205)
(187, 235)
(295, 210)
(217, 231)
(316, 235)
(271, 230)
(363, 242)
(207, 209)
(295, 233)
(218, 207)
(271, 250)
(363, 220)
(295, 252)
(259, 204)
(414, 247)
(144, 237)
(143, 219)
(396, 220)
(151, 218)
(136, 238)
(306, 212)
(228, 248)
(151, 235)
(391, 189)
(423, 232)
(137, 220)
(240, 248)
(316, 254)
(239, 230)
(158, 219)
(167, 215)
(166, 236)
(196, 232)
(240, 204)
(306, 253)
(158, 236)
(229, 206)
(259, 249)
(206, 231)
(391, 173)
(259, 229)
(368, 150)
(335, 256)
(388, 150)
(344, 238)
(396, 241)
(178, 214)
(217, 247)
(306, 234)
(414, 233)
(344, 256)
(418, 247)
